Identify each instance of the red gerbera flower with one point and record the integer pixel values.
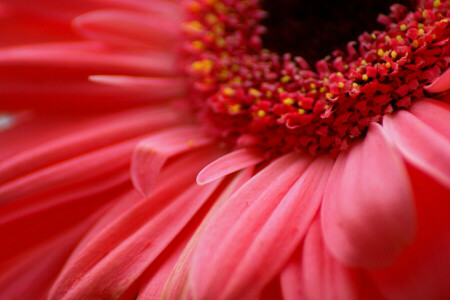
(253, 175)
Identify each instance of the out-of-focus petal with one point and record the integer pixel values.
(234, 229)
(150, 155)
(435, 114)
(368, 213)
(441, 84)
(324, 278)
(228, 164)
(423, 270)
(420, 144)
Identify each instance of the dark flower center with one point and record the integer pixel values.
(313, 29)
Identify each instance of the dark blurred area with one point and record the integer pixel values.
(313, 29)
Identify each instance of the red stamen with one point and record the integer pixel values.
(250, 96)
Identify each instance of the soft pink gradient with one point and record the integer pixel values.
(109, 189)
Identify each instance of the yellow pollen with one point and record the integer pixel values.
(436, 3)
(285, 79)
(339, 74)
(223, 75)
(269, 94)
(329, 95)
(387, 38)
(255, 92)
(420, 26)
(365, 77)
(194, 26)
(403, 27)
(234, 108)
(229, 92)
(393, 54)
(421, 32)
(261, 113)
(363, 62)
(380, 52)
(280, 90)
(323, 89)
(341, 84)
(301, 111)
(314, 91)
(433, 36)
(211, 19)
(373, 36)
(346, 66)
(288, 101)
(415, 43)
(355, 85)
(313, 85)
(388, 65)
(199, 45)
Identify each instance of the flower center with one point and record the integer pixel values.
(313, 29)
(249, 96)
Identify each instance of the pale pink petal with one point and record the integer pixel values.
(151, 154)
(100, 162)
(435, 114)
(324, 278)
(127, 28)
(115, 272)
(136, 234)
(292, 277)
(41, 62)
(228, 164)
(441, 84)
(423, 270)
(420, 144)
(177, 285)
(105, 131)
(232, 229)
(281, 233)
(368, 213)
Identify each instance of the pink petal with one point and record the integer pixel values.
(324, 277)
(127, 241)
(177, 285)
(228, 164)
(423, 271)
(292, 278)
(420, 144)
(150, 155)
(368, 213)
(441, 84)
(127, 28)
(435, 114)
(104, 161)
(105, 131)
(281, 233)
(234, 227)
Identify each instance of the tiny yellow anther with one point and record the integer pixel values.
(388, 65)
(229, 92)
(329, 95)
(420, 32)
(393, 54)
(380, 52)
(301, 111)
(313, 85)
(288, 101)
(261, 113)
(365, 77)
(234, 108)
(399, 38)
(285, 79)
(403, 27)
(341, 84)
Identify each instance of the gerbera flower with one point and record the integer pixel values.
(253, 175)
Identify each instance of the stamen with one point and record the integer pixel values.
(250, 96)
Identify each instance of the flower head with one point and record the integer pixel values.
(157, 149)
